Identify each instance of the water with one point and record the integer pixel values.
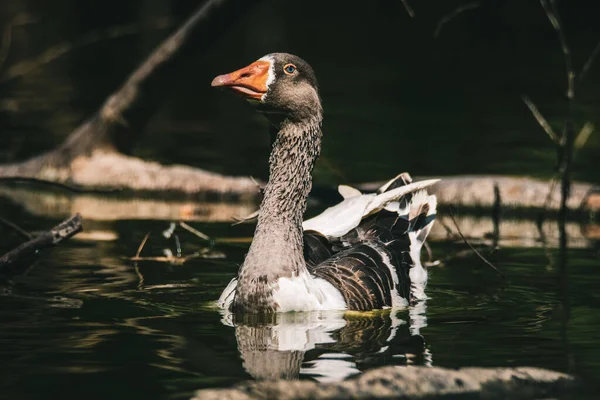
(85, 321)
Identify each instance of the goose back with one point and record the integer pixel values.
(376, 264)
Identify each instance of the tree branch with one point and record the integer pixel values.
(552, 14)
(95, 153)
(448, 17)
(588, 64)
(408, 8)
(540, 119)
(54, 236)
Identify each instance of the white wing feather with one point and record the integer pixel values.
(338, 220)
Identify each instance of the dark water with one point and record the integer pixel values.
(86, 322)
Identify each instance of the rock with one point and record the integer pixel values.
(410, 383)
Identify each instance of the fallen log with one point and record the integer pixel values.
(95, 153)
(475, 191)
(54, 236)
(470, 191)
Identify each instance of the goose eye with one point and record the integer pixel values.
(289, 69)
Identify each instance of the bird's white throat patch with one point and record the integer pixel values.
(271, 73)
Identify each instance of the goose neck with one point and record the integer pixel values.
(277, 248)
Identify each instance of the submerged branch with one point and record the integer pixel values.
(173, 260)
(142, 244)
(478, 254)
(54, 236)
(178, 259)
(195, 231)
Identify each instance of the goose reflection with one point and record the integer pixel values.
(329, 346)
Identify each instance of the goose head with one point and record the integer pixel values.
(280, 85)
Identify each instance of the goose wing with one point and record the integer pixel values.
(365, 276)
(338, 220)
(374, 262)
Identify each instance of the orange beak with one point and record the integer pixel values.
(250, 81)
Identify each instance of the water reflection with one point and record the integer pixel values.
(115, 207)
(329, 346)
(479, 229)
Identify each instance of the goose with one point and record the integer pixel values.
(362, 254)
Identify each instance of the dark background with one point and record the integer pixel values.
(395, 97)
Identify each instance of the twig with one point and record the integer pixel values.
(473, 248)
(540, 119)
(137, 256)
(69, 187)
(60, 232)
(448, 17)
(169, 257)
(167, 233)
(583, 135)
(552, 14)
(550, 191)
(260, 188)
(194, 231)
(15, 228)
(136, 268)
(234, 240)
(565, 148)
(178, 246)
(142, 244)
(408, 8)
(588, 64)
(247, 218)
(179, 260)
(544, 241)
